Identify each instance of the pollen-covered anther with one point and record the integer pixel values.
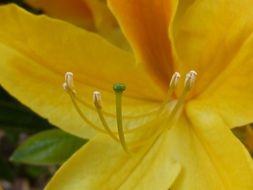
(190, 79)
(68, 85)
(97, 100)
(174, 80)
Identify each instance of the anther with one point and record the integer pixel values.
(68, 85)
(174, 80)
(97, 99)
(190, 79)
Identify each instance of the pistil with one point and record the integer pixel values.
(119, 89)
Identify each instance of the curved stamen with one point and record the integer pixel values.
(170, 121)
(85, 119)
(98, 104)
(188, 84)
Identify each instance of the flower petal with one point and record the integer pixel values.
(35, 54)
(211, 157)
(207, 35)
(74, 11)
(231, 93)
(102, 164)
(145, 24)
(106, 24)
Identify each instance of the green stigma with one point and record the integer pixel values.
(119, 87)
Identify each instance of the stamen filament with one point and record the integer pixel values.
(81, 113)
(118, 89)
(98, 105)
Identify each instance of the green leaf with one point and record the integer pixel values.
(48, 147)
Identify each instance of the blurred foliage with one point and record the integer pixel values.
(17, 122)
(46, 148)
(27, 138)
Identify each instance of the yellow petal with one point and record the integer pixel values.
(36, 51)
(102, 164)
(74, 11)
(207, 35)
(211, 157)
(231, 93)
(106, 24)
(207, 152)
(145, 24)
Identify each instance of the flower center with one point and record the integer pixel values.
(166, 114)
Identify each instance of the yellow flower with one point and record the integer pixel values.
(178, 139)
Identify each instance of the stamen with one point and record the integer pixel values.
(189, 82)
(82, 115)
(68, 86)
(118, 89)
(173, 116)
(98, 104)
